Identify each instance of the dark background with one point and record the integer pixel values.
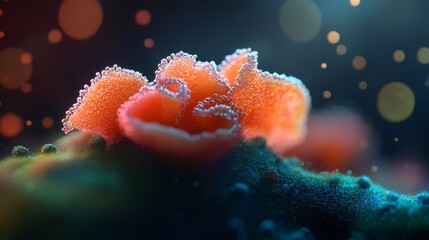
(213, 29)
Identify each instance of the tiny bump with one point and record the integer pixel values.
(423, 197)
(239, 190)
(392, 196)
(49, 148)
(364, 182)
(267, 228)
(20, 151)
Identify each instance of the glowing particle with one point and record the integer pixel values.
(10, 125)
(26, 88)
(55, 36)
(97, 105)
(327, 94)
(323, 65)
(149, 43)
(354, 3)
(28, 123)
(423, 55)
(374, 168)
(398, 56)
(359, 63)
(26, 58)
(300, 20)
(80, 19)
(1, 12)
(2, 34)
(341, 49)
(13, 73)
(396, 139)
(143, 17)
(47, 122)
(333, 37)
(395, 102)
(363, 85)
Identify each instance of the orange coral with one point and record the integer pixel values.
(275, 106)
(153, 118)
(194, 108)
(232, 64)
(97, 105)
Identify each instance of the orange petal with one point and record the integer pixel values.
(152, 119)
(97, 105)
(232, 64)
(275, 106)
(202, 78)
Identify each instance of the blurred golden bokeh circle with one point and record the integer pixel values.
(398, 56)
(395, 102)
(423, 55)
(333, 37)
(300, 20)
(359, 63)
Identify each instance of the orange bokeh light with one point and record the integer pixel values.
(143, 17)
(10, 125)
(149, 43)
(26, 88)
(47, 122)
(26, 58)
(80, 19)
(13, 71)
(1, 34)
(55, 36)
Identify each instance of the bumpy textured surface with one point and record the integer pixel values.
(232, 64)
(275, 106)
(157, 117)
(97, 105)
(125, 192)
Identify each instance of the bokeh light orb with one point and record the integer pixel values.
(300, 20)
(359, 63)
(2, 34)
(15, 67)
(333, 37)
(354, 3)
(80, 19)
(10, 125)
(55, 36)
(423, 55)
(398, 56)
(341, 49)
(363, 85)
(26, 58)
(143, 17)
(395, 102)
(47, 122)
(149, 43)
